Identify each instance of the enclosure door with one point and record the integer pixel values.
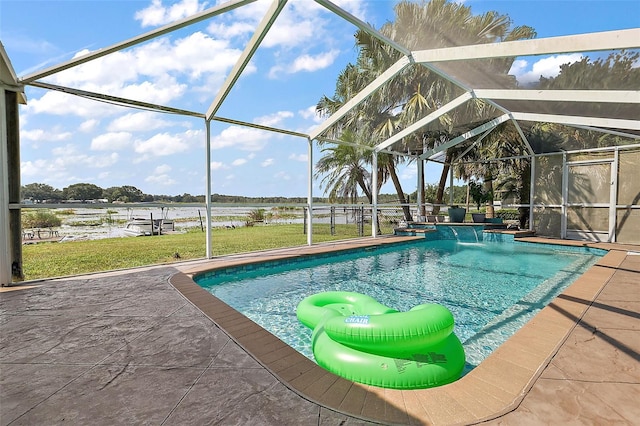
(590, 201)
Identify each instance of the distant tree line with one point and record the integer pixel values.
(83, 192)
(88, 192)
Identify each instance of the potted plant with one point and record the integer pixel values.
(456, 214)
(479, 196)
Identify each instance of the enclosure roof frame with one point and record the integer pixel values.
(590, 42)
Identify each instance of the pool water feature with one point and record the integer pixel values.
(491, 288)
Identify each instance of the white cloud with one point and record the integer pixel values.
(162, 179)
(357, 7)
(306, 63)
(191, 55)
(217, 165)
(32, 168)
(274, 119)
(519, 67)
(162, 169)
(89, 125)
(161, 144)
(52, 172)
(195, 138)
(282, 176)
(69, 159)
(546, 67)
(160, 72)
(200, 54)
(299, 157)
(158, 14)
(239, 162)
(113, 69)
(157, 92)
(112, 141)
(57, 103)
(253, 11)
(41, 135)
(300, 23)
(310, 113)
(242, 138)
(304, 22)
(233, 30)
(290, 31)
(268, 162)
(410, 172)
(313, 63)
(136, 122)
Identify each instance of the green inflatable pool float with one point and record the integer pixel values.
(358, 338)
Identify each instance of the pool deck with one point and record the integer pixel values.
(149, 346)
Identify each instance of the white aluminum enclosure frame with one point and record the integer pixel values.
(614, 204)
(601, 41)
(8, 83)
(612, 162)
(5, 243)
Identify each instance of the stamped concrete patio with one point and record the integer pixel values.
(143, 346)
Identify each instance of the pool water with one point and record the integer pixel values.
(491, 288)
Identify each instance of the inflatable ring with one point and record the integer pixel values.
(362, 340)
(314, 309)
(395, 333)
(436, 365)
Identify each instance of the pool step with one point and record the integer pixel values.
(415, 229)
(516, 233)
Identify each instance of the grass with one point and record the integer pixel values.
(47, 260)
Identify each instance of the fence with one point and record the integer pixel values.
(356, 220)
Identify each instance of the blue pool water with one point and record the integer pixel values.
(491, 288)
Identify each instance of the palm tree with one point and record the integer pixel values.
(369, 120)
(514, 174)
(418, 90)
(343, 171)
(503, 142)
(443, 24)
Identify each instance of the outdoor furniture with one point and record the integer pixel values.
(47, 233)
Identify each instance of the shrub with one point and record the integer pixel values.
(40, 219)
(478, 194)
(257, 215)
(508, 214)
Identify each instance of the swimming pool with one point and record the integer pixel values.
(491, 288)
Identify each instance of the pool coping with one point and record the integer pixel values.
(492, 389)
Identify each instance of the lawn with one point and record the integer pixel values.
(47, 260)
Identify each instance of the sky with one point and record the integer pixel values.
(66, 139)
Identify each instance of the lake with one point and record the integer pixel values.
(84, 222)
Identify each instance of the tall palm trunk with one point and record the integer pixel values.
(365, 190)
(524, 195)
(442, 183)
(422, 200)
(488, 188)
(396, 183)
